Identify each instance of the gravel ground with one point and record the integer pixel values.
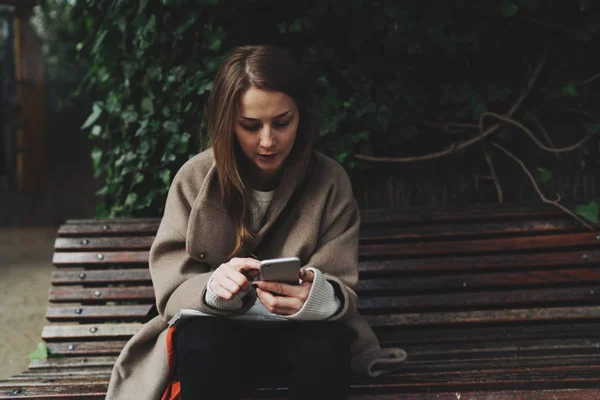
(25, 267)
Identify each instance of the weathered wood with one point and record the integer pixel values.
(72, 362)
(480, 263)
(95, 348)
(108, 227)
(452, 283)
(104, 243)
(449, 247)
(70, 294)
(101, 257)
(83, 313)
(99, 331)
(486, 316)
(513, 298)
(66, 391)
(112, 276)
(397, 232)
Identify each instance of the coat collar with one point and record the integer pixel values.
(211, 233)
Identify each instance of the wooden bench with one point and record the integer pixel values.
(500, 303)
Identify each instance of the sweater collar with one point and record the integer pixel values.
(210, 229)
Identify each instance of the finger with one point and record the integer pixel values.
(245, 264)
(229, 285)
(221, 292)
(278, 287)
(278, 304)
(237, 277)
(307, 275)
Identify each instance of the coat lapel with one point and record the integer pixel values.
(211, 233)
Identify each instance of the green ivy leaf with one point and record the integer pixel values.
(96, 157)
(131, 199)
(96, 111)
(570, 90)
(588, 211)
(592, 128)
(543, 175)
(40, 352)
(509, 10)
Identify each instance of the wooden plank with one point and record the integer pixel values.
(398, 232)
(478, 281)
(130, 293)
(511, 298)
(538, 347)
(104, 243)
(488, 262)
(108, 227)
(114, 276)
(469, 334)
(534, 394)
(66, 391)
(551, 242)
(486, 316)
(43, 382)
(62, 332)
(83, 313)
(101, 257)
(425, 215)
(96, 348)
(73, 362)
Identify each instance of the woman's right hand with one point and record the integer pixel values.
(232, 277)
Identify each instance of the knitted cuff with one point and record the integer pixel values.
(215, 301)
(321, 303)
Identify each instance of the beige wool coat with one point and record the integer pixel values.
(196, 236)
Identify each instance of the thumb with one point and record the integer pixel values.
(307, 275)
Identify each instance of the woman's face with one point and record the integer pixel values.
(265, 126)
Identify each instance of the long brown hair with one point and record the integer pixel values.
(263, 67)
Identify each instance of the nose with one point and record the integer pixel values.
(266, 137)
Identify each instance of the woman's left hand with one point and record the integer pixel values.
(292, 297)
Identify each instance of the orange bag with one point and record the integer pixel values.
(173, 389)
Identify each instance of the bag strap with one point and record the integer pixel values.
(289, 206)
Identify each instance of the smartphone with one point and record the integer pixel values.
(285, 270)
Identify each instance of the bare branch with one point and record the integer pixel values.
(589, 80)
(488, 159)
(544, 132)
(530, 84)
(532, 136)
(538, 190)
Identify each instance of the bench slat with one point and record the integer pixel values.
(102, 257)
(479, 281)
(488, 262)
(103, 276)
(83, 313)
(70, 294)
(485, 316)
(96, 348)
(398, 232)
(108, 227)
(551, 242)
(515, 298)
(104, 243)
(72, 362)
(61, 332)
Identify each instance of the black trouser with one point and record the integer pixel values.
(220, 358)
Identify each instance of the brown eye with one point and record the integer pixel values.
(282, 124)
(251, 128)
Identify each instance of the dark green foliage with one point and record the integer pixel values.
(388, 75)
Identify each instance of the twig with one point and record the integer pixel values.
(589, 80)
(454, 147)
(532, 136)
(541, 128)
(499, 191)
(537, 188)
(448, 127)
(534, 76)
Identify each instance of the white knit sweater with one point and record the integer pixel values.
(321, 303)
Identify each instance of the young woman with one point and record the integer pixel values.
(260, 192)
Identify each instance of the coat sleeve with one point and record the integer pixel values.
(179, 280)
(336, 254)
